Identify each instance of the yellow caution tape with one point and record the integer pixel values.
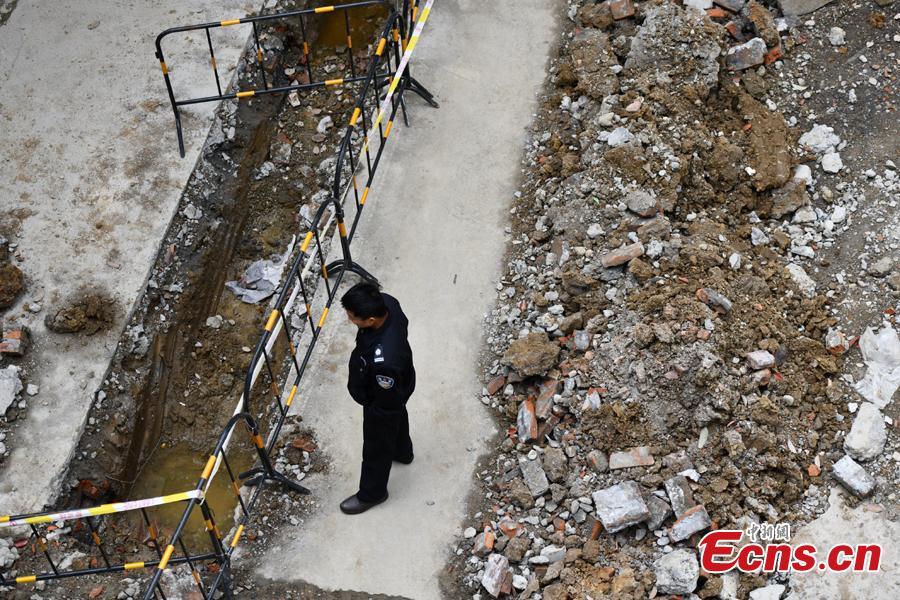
(103, 509)
(133, 565)
(404, 61)
(229, 22)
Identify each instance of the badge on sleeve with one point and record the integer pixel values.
(384, 381)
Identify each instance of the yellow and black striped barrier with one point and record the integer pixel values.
(265, 84)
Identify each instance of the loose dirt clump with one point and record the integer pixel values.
(12, 282)
(88, 314)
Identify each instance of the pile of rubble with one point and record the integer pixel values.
(663, 360)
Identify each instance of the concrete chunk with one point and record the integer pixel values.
(694, 520)
(680, 495)
(534, 476)
(677, 572)
(621, 506)
(853, 477)
(746, 55)
(868, 435)
(760, 359)
(494, 574)
(526, 422)
(10, 386)
(659, 512)
(770, 592)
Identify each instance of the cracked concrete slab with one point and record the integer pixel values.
(432, 233)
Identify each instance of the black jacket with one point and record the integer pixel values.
(381, 365)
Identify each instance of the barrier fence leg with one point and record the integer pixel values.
(412, 84)
(266, 472)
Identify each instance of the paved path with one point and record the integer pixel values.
(433, 234)
(89, 179)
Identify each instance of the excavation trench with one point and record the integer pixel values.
(161, 411)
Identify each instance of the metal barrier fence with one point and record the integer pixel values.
(408, 14)
(279, 361)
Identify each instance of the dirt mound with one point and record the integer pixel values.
(88, 314)
(692, 352)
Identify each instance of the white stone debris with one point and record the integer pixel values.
(868, 435)
(677, 572)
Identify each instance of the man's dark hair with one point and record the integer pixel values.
(364, 300)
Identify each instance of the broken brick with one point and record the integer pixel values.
(622, 255)
(773, 55)
(548, 389)
(621, 9)
(511, 528)
(15, 342)
(633, 457)
(495, 385)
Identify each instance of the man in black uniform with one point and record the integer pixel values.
(382, 379)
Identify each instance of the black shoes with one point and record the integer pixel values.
(354, 506)
(404, 461)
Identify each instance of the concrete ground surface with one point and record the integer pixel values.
(844, 525)
(89, 178)
(432, 234)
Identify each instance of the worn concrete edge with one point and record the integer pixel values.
(55, 490)
(474, 496)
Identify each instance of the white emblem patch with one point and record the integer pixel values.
(384, 381)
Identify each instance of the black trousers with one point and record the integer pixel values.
(385, 439)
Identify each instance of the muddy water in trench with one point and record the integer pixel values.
(365, 23)
(177, 469)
